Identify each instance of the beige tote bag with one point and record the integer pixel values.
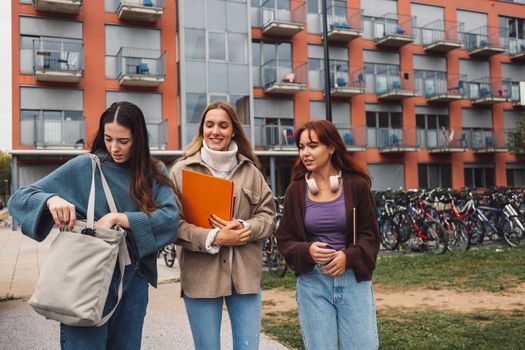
(74, 283)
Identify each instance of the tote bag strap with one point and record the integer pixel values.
(123, 254)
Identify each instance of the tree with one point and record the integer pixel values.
(5, 173)
(516, 138)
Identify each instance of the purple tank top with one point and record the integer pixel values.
(326, 221)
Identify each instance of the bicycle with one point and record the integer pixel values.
(169, 254)
(272, 258)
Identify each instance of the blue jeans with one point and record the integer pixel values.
(124, 329)
(336, 312)
(205, 316)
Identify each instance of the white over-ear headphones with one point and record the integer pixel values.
(314, 189)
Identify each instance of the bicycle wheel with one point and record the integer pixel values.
(275, 260)
(458, 236)
(389, 234)
(512, 231)
(436, 238)
(170, 254)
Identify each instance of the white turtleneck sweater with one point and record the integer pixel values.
(221, 163)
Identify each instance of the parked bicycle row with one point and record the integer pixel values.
(441, 220)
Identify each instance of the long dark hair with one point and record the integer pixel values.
(328, 136)
(143, 167)
(239, 136)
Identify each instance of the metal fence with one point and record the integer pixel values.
(58, 54)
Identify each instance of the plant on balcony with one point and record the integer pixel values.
(516, 138)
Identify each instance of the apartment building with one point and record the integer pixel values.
(423, 92)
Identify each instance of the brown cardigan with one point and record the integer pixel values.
(294, 242)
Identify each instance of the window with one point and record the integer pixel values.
(479, 176)
(515, 175)
(430, 83)
(51, 127)
(381, 126)
(265, 52)
(195, 48)
(512, 27)
(434, 175)
(216, 46)
(432, 129)
(381, 78)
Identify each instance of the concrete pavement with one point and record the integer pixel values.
(166, 324)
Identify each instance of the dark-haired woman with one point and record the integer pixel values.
(222, 265)
(330, 237)
(146, 207)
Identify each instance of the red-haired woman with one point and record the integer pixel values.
(330, 237)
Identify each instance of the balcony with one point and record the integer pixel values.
(487, 91)
(486, 140)
(54, 132)
(286, 77)
(516, 49)
(517, 91)
(392, 140)
(140, 10)
(158, 134)
(282, 17)
(70, 7)
(390, 86)
(393, 30)
(58, 60)
(442, 141)
(275, 136)
(344, 24)
(140, 67)
(438, 89)
(353, 137)
(347, 84)
(484, 42)
(441, 36)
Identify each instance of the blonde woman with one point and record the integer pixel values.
(223, 264)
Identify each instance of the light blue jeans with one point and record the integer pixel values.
(336, 312)
(205, 315)
(124, 328)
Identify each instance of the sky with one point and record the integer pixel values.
(5, 76)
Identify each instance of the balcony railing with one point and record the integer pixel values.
(390, 86)
(284, 77)
(345, 83)
(516, 49)
(488, 91)
(441, 36)
(158, 134)
(392, 140)
(442, 140)
(140, 67)
(354, 137)
(275, 136)
(484, 41)
(71, 7)
(394, 30)
(282, 17)
(486, 140)
(344, 24)
(438, 88)
(60, 60)
(140, 10)
(53, 132)
(515, 95)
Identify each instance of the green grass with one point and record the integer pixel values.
(8, 297)
(481, 269)
(399, 329)
(287, 281)
(490, 269)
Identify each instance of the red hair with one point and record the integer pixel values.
(328, 136)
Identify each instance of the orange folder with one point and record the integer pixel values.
(203, 195)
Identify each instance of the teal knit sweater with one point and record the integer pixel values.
(72, 182)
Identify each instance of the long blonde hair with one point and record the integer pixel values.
(239, 137)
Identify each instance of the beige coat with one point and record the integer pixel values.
(204, 275)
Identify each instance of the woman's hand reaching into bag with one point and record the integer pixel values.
(62, 211)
